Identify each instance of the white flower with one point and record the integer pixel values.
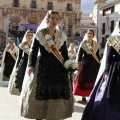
(71, 64)
(74, 65)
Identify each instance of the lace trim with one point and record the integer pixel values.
(60, 37)
(14, 50)
(95, 47)
(46, 91)
(25, 47)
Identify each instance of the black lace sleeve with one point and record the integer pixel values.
(34, 53)
(109, 58)
(64, 51)
(19, 57)
(80, 54)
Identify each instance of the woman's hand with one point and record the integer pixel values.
(30, 70)
(16, 70)
(76, 72)
(106, 76)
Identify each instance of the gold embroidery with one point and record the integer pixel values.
(92, 51)
(11, 53)
(113, 42)
(52, 46)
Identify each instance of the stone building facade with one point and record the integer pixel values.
(105, 15)
(16, 16)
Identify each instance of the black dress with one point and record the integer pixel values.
(89, 73)
(87, 76)
(52, 78)
(9, 64)
(21, 66)
(114, 77)
(49, 93)
(104, 104)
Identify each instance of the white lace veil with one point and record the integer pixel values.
(12, 77)
(28, 78)
(4, 53)
(23, 40)
(24, 37)
(86, 36)
(44, 22)
(103, 61)
(116, 30)
(69, 48)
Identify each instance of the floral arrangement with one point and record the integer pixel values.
(71, 66)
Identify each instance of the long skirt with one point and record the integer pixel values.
(10, 62)
(20, 74)
(85, 79)
(104, 104)
(16, 78)
(44, 109)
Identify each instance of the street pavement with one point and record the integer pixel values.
(10, 110)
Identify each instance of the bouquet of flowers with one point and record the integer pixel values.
(71, 66)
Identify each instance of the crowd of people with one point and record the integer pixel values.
(39, 71)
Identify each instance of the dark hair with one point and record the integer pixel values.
(29, 31)
(119, 23)
(91, 31)
(50, 12)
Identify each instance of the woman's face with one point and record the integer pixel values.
(29, 36)
(53, 21)
(72, 46)
(90, 34)
(11, 42)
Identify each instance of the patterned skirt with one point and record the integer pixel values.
(46, 107)
(20, 74)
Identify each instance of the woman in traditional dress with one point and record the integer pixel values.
(9, 57)
(104, 102)
(88, 60)
(21, 64)
(72, 52)
(49, 94)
